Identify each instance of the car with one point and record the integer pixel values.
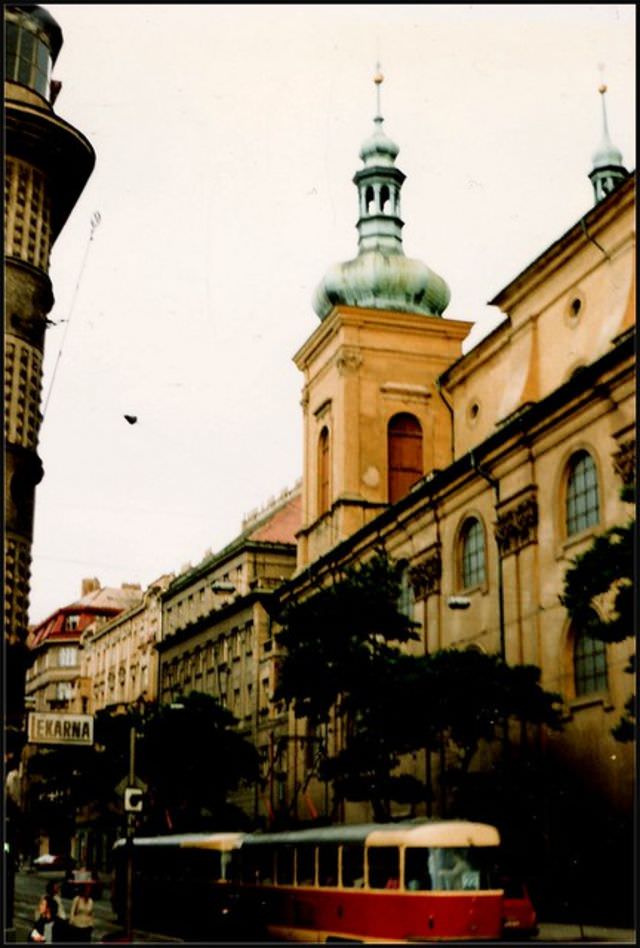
(53, 862)
(519, 918)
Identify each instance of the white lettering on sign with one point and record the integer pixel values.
(50, 728)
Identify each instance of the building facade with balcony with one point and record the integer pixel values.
(54, 680)
(47, 165)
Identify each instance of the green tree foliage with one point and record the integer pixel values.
(344, 630)
(344, 655)
(192, 757)
(606, 570)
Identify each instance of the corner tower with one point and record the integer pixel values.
(373, 421)
(47, 165)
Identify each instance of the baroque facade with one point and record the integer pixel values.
(488, 472)
(47, 165)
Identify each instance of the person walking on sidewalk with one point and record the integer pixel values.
(81, 918)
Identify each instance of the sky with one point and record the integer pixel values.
(226, 140)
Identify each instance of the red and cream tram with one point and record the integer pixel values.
(181, 883)
(396, 882)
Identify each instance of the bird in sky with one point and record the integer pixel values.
(131, 419)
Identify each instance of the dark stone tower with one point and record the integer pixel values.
(48, 163)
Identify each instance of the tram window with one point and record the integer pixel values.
(306, 865)
(384, 867)
(284, 865)
(327, 865)
(416, 869)
(257, 864)
(353, 866)
(455, 868)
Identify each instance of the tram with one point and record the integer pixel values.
(181, 883)
(388, 883)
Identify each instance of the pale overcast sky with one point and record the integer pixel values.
(226, 141)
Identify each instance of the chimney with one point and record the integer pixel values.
(90, 585)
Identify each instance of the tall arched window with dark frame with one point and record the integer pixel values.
(582, 508)
(404, 452)
(472, 569)
(324, 471)
(589, 663)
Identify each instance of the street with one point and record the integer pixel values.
(31, 885)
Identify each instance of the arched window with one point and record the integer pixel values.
(472, 556)
(404, 443)
(369, 200)
(583, 508)
(384, 198)
(323, 471)
(589, 664)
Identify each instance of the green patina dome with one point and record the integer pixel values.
(375, 280)
(381, 276)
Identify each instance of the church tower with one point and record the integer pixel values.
(608, 170)
(47, 165)
(374, 423)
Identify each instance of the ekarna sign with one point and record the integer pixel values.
(53, 728)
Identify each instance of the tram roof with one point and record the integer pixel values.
(409, 833)
(223, 841)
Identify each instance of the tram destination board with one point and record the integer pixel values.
(56, 728)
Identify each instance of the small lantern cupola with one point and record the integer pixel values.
(379, 183)
(608, 170)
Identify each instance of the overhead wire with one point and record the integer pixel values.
(95, 221)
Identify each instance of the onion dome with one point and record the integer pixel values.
(608, 170)
(381, 276)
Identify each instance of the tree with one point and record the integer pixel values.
(343, 654)
(192, 757)
(605, 572)
(340, 646)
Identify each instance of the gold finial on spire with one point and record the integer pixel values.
(378, 79)
(602, 89)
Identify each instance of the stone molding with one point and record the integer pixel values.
(348, 360)
(517, 526)
(624, 462)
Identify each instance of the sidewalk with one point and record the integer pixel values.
(560, 931)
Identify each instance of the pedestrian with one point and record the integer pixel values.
(53, 889)
(48, 927)
(81, 916)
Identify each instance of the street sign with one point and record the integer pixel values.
(133, 800)
(56, 728)
(125, 782)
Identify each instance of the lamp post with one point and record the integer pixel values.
(130, 832)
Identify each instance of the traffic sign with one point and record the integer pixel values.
(133, 800)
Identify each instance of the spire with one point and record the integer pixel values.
(379, 183)
(608, 170)
(381, 276)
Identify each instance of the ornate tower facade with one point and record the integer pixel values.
(374, 422)
(47, 165)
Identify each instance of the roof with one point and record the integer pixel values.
(282, 525)
(106, 602)
(408, 833)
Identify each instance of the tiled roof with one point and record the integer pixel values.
(282, 525)
(105, 602)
